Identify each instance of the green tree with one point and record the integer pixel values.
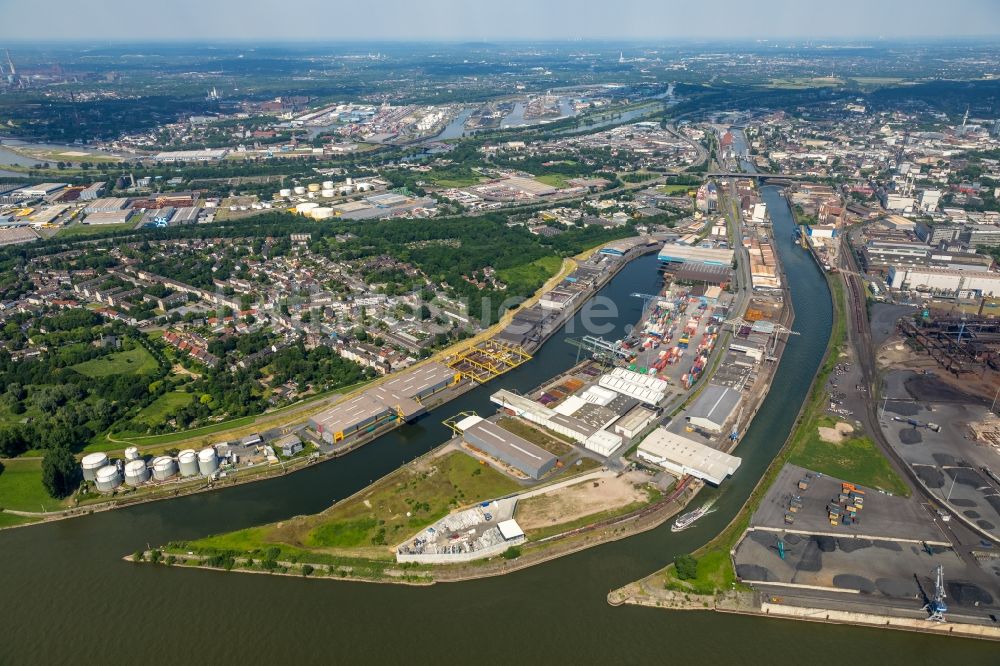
(686, 566)
(60, 472)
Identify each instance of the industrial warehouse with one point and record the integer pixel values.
(397, 400)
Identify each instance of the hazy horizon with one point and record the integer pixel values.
(269, 21)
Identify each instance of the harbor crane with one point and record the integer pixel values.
(646, 300)
(936, 606)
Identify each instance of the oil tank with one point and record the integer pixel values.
(107, 478)
(132, 453)
(299, 189)
(164, 467)
(327, 184)
(305, 207)
(314, 187)
(321, 213)
(136, 472)
(327, 193)
(91, 463)
(349, 181)
(285, 192)
(208, 461)
(188, 462)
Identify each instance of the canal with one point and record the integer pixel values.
(69, 599)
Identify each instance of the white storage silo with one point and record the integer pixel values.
(327, 184)
(188, 462)
(327, 193)
(91, 463)
(208, 461)
(314, 187)
(164, 467)
(285, 192)
(305, 207)
(132, 453)
(349, 181)
(136, 472)
(107, 478)
(321, 213)
(299, 189)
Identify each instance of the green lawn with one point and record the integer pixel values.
(21, 487)
(857, 459)
(89, 230)
(554, 180)
(157, 411)
(10, 520)
(538, 271)
(136, 361)
(376, 518)
(676, 189)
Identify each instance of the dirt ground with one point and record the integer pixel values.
(564, 505)
(836, 434)
(897, 355)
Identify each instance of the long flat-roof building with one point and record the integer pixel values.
(40, 190)
(674, 253)
(682, 456)
(398, 398)
(505, 446)
(713, 408)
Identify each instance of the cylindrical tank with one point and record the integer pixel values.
(188, 462)
(299, 189)
(164, 467)
(91, 463)
(305, 207)
(327, 184)
(136, 472)
(314, 187)
(321, 213)
(349, 181)
(326, 193)
(208, 461)
(132, 453)
(285, 192)
(107, 478)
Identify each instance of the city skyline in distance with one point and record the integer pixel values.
(453, 20)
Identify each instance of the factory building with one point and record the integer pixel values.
(675, 253)
(646, 388)
(92, 191)
(713, 408)
(397, 399)
(105, 205)
(951, 282)
(505, 446)
(682, 456)
(529, 410)
(40, 190)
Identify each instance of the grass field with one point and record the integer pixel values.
(856, 459)
(10, 520)
(21, 487)
(537, 271)
(163, 405)
(90, 230)
(375, 519)
(676, 189)
(136, 361)
(554, 180)
(802, 83)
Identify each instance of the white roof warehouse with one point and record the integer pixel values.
(680, 455)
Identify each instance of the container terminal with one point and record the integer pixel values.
(663, 408)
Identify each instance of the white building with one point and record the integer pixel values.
(929, 200)
(682, 456)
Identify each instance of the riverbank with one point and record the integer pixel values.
(236, 552)
(642, 245)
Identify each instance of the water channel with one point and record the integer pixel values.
(69, 599)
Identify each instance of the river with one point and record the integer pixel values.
(69, 599)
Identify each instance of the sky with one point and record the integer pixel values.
(479, 20)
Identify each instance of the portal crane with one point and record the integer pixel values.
(936, 606)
